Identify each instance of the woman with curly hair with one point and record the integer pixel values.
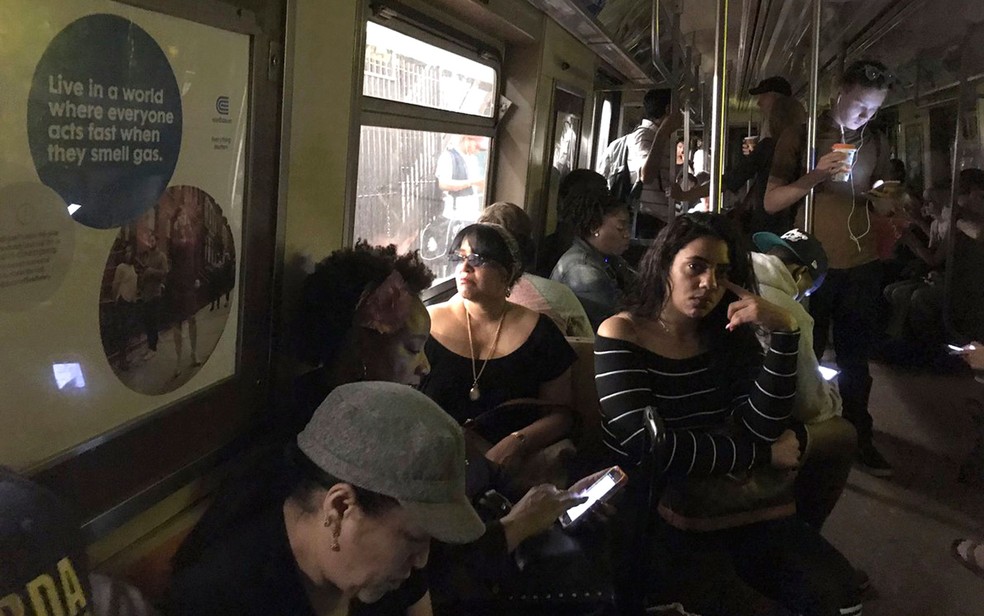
(593, 266)
(360, 318)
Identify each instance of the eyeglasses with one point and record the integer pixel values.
(474, 260)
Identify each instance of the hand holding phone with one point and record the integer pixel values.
(601, 490)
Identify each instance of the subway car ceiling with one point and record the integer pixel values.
(923, 42)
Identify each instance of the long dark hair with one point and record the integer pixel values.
(269, 476)
(652, 291)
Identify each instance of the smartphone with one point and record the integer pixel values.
(828, 373)
(600, 491)
(958, 350)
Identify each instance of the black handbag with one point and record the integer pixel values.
(551, 573)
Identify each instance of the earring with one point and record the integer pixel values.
(596, 234)
(364, 371)
(335, 547)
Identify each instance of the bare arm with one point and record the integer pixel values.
(780, 195)
(554, 425)
(450, 185)
(933, 258)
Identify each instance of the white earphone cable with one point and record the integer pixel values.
(850, 231)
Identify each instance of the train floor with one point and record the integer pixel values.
(900, 530)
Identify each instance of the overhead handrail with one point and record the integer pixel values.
(655, 53)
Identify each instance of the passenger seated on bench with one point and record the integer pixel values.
(539, 294)
(360, 317)
(576, 185)
(684, 354)
(500, 369)
(593, 266)
(921, 303)
(44, 568)
(788, 269)
(376, 474)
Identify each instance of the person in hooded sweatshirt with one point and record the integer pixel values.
(788, 269)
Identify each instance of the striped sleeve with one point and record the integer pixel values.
(765, 409)
(626, 388)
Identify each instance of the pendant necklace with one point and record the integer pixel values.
(474, 393)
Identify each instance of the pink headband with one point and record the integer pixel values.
(385, 307)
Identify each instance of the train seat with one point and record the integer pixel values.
(591, 452)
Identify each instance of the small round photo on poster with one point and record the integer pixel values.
(167, 290)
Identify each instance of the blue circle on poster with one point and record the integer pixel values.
(104, 120)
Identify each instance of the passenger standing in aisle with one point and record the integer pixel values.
(649, 161)
(768, 91)
(848, 299)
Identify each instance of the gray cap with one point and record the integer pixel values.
(394, 440)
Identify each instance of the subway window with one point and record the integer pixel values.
(425, 141)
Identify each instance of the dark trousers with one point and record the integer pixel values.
(151, 321)
(848, 301)
(734, 572)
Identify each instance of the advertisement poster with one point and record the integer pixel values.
(122, 152)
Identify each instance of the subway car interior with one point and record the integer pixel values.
(596, 201)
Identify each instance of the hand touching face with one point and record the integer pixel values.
(753, 309)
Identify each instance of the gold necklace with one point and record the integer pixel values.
(474, 393)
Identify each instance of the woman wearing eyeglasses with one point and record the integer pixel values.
(500, 369)
(593, 266)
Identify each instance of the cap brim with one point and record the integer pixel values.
(454, 522)
(766, 241)
(759, 90)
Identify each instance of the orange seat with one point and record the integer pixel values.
(151, 572)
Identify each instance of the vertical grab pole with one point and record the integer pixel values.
(811, 127)
(686, 141)
(719, 101)
(966, 100)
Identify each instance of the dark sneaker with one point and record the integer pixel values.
(872, 462)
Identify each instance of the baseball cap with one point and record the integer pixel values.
(43, 564)
(772, 84)
(807, 249)
(394, 440)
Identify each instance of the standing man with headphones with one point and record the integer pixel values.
(842, 223)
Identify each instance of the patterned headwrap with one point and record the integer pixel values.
(384, 307)
(513, 246)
